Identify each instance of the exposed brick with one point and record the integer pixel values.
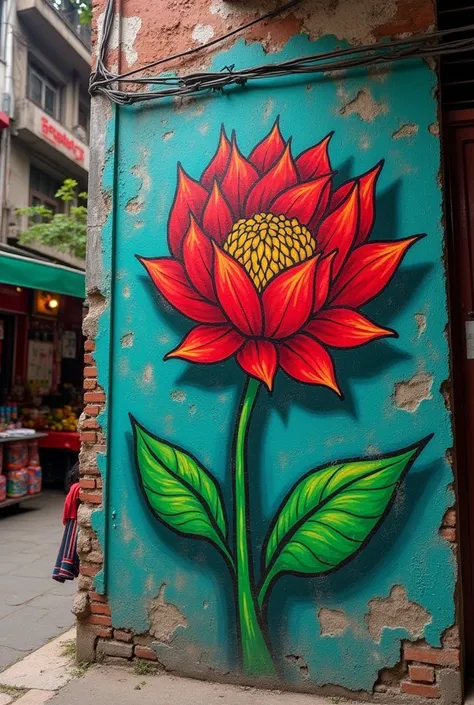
(449, 534)
(88, 436)
(94, 397)
(87, 483)
(122, 636)
(450, 518)
(97, 597)
(437, 657)
(90, 423)
(89, 346)
(422, 674)
(85, 569)
(102, 619)
(92, 409)
(90, 497)
(145, 652)
(90, 371)
(104, 632)
(88, 359)
(90, 383)
(115, 648)
(421, 689)
(100, 608)
(98, 483)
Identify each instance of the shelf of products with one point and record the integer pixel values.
(20, 469)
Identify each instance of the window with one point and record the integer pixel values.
(83, 121)
(43, 188)
(43, 91)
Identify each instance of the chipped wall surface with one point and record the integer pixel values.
(341, 629)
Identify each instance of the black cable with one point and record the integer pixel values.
(419, 46)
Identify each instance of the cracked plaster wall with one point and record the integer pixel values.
(338, 631)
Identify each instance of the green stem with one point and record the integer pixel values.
(256, 657)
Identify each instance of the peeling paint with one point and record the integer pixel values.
(168, 135)
(134, 205)
(126, 341)
(129, 28)
(178, 395)
(365, 106)
(165, 618)
(405, 131)
(332, 622)
(445, 391)
(409, 394)
(434, 129)
(147, 376)
(300, 663)
(396, 611)
(202, 33)
(420, 320)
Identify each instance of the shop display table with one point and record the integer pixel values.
(60, 440)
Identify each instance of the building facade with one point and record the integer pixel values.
(46, 72)
(269, 468)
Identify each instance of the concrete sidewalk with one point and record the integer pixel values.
(112, 685)
(33, 607)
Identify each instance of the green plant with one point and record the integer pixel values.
(66, 231)
(142, 668)
(69, 649)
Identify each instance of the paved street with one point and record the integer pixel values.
(33, 607)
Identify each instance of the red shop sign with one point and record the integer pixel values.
(60, 138)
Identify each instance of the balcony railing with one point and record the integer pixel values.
(70, 14)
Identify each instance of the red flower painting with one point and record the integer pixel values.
(273, 262)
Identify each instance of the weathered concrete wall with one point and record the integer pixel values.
(382, 616)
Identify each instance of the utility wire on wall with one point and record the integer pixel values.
(103, 81)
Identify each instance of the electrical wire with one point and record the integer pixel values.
(103, 81)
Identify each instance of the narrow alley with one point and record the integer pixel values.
(33, 607)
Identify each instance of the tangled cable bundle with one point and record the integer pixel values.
(103, 81)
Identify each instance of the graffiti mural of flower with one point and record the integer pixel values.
(273, 262)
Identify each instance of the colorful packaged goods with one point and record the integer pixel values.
(33, 453)
(17, 483)
(34, 479)
(3, 488)
(16, 455)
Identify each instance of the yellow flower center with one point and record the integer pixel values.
(266, 244)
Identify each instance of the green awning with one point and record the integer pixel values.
(36, 274)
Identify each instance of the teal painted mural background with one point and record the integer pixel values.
(298, 427)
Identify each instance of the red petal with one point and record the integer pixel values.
(237, 294)
(338, 230)
(288, 299)
(190, 197)
(258, 358)
(207, 344)
(323, 281)
(269, 149)
(340, 194)
(280, 177)
(239, 178)
(368, 270)
(218, 164)
(302, 201)
(217, 219)
(345, 328)
(314, 161)
(367, 183)
(197, 254)
(304, 359)
(170, 279)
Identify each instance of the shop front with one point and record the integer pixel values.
(41, 362)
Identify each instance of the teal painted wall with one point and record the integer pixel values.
(298, 427)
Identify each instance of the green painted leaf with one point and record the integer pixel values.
(331, 512)
(180, 492)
